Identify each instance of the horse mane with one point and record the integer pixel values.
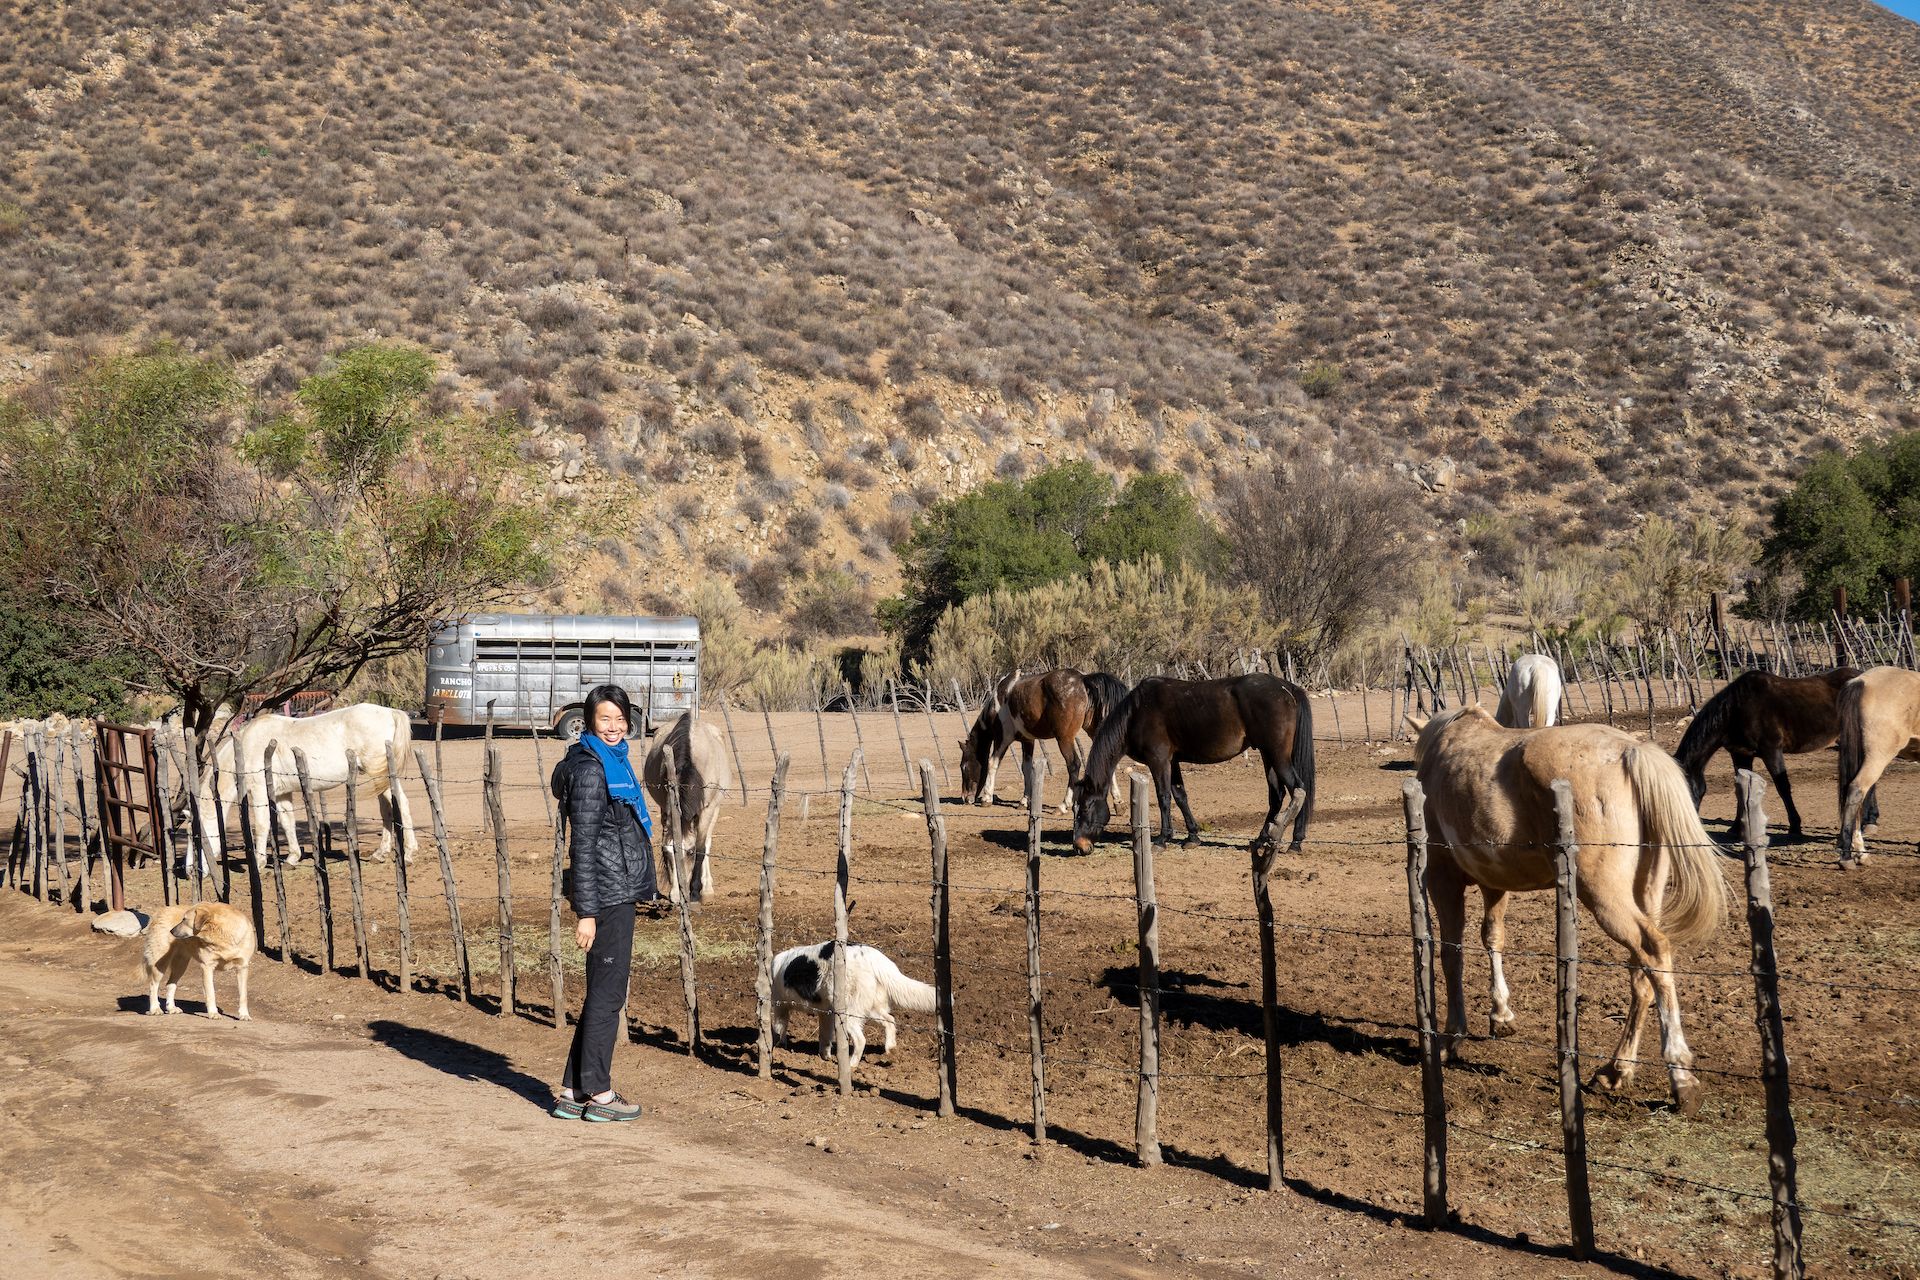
(1707, 731)
(1110, 742)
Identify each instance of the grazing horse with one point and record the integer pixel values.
(1770, 717)
(1879, 719)
(365, 731)
(700, 759)
(1053, 704)
(1490, 808)
(1531, 699)
(1165, 722)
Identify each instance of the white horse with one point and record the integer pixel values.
(364, 730)
(700, 761)
(1531, 699)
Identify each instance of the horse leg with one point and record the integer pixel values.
(402, 818)
(1447, 892)
(262, 831)
(1854, 792)
(284, 807)
(1777, 769)
(1186, 810)
(994, 758)
(1493, 936)
(1076, 766)
(1029, 778)
(1652, 962)
(1162, 770)
(384, 800)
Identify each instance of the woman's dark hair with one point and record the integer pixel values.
(618, 697)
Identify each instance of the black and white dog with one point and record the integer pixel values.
(803, 979)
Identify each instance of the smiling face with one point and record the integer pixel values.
(609, 724)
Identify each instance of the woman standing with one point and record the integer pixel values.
(612, 854)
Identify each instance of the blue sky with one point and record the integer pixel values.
(1905, 8)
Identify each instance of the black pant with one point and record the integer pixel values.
(609, 966)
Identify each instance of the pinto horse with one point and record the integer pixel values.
(1166, 722)
(1770, 717)
(1054, 704)
(1490, 807)
(1879, 719)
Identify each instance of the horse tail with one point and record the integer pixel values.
(1543, 693)
(1853, 755)
(1302, 760)
(1698, 892)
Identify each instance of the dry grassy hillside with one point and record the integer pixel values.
(791, 271)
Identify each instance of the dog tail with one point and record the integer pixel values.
(903, 992)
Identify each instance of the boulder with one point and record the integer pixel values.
(121, 924)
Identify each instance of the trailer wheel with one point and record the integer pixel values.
(571, 724)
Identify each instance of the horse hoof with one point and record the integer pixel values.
(1611, 1079)
(1688, 1097)
(1501, 1030)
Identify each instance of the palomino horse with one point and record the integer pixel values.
(1879, 719)
(1770, 717)
(1165, 722)
(1053, 704)
(700, 760)
(1490, 806)
(1531, 699)
(363, 731)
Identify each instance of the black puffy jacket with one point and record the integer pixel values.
(611, 855)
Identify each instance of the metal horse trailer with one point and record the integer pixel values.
(534, 670)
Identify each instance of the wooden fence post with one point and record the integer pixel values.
(1433, 1090)
(356, 881)
(1262, 854)
(843, 867)
(820, 727)
(88, 835)
(763, 936)
(677, 889)
(432, 784)
(1146, 1110)
(34, 791)
(1035, 1038)
(1782, 1173)
(490, 785)
(402, 912)
(322, 886)
(947, 1061)
(859, 738)
(276, 849)
(733, 744)
(933, 731)
(893, 696)
(1573, 1113)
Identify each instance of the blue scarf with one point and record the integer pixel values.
(621, 782)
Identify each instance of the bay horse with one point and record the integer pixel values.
(1770, 717)
(1054, 704)
(1531, 698)
(1165, 722)
(1879, 719)
(701, 764)
(1490, 809)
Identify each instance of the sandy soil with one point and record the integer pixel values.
(351, 1126)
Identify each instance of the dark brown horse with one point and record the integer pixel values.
(1164, 723)
(1770, 717)
(1054, 704)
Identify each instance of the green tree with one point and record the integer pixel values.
(43, 671)
(335, 535)
(1850, 521)
(1014, 536)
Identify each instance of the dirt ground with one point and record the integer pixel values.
(353, 1127)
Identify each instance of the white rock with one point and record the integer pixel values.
(122, 924)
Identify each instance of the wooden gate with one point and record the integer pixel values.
(127, 775)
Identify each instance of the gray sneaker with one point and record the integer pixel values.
(614, 1108)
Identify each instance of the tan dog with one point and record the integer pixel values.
(214, 934)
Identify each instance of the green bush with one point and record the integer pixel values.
(44, 669)
(1054, 525)
(1851, 521)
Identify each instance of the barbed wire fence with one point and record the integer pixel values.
(432, 956)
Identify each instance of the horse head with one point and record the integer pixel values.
(1090, 812)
